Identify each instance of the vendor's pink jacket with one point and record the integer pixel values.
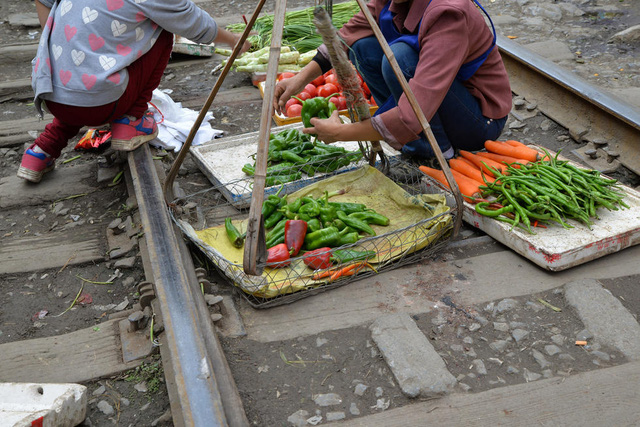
(452, 32)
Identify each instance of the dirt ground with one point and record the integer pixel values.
(333, 375)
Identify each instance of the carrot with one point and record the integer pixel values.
(514, 143)
(468, 187)
(335, 273)
(472, 171)
(500, 159)
(349, 270)
(506, 149)
(468, 162)
(483, 163)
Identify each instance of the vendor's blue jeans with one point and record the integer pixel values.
(458, 122)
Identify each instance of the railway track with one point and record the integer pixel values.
(200, 381)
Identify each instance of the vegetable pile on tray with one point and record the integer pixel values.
(326, 87)
(512, 184)
(291, 61)
(315, 226)
(292, 152)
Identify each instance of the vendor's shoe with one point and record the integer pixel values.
(34, 165)
(127, 135)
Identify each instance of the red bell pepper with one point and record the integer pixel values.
(318, 259)
(294, 232)
(278, 256)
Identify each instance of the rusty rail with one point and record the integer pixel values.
(589, 112)
(194, 366)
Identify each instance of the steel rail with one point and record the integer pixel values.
(589, 112)
(197, 397)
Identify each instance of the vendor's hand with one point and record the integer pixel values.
(327, 130)
(284, 90)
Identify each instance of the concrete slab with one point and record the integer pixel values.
(30, 404)
(416, 365)
(415, 289)
(605, 316)
(602, 397)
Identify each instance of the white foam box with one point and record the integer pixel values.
(46, 405)
(556, 248)
(221, 160)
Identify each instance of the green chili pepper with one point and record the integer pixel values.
(340, 225)
(343, 256)
(314, 224)
(348, 237)
(276, 239)
(295, 205)
(316, 107)
(249, 169)
(356, 223)
(276, 229)
(310, 207)
(272, 203)
(292, 157)
(324, 237)
(329, 147)
(348, 208)
(519, 210)
(273, 219)
(327, 214)
(282, 179)
(370, 217)
(235, 237)
(482, 209)
(278, 143)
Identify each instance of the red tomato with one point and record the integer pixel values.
(335, 102)
(328, 73)
(318, 82)
(340, 102)
(365, 89)
(294, 110)
(311, 90)
(304, 95)
(331, 79)
(285, 75)
(327, 90)
(291, 102)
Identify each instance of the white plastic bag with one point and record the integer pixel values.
(175, 122)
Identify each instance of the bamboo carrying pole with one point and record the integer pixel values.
(348, 80)
(255, 249)
(416, 108)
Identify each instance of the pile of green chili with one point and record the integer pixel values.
(292, 153)
(549, 191)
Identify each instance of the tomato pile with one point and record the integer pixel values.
(323, 86)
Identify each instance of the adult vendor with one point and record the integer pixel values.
(447, 53)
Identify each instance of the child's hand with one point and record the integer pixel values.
(230, 39)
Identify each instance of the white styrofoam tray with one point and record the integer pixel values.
(221, 160)
(28, 404)
(556, 248)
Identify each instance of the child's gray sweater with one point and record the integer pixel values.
(86, 45)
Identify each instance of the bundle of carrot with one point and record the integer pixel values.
(473, 170)
(527, 189)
